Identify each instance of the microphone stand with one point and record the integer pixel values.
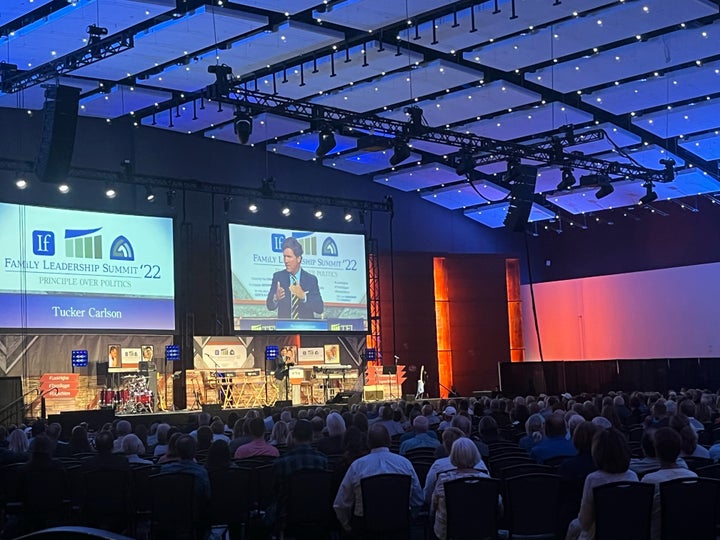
(451, 393)
(222, 381)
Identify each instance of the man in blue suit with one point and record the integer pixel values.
(294, 292)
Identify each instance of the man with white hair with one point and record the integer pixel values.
(421, 439)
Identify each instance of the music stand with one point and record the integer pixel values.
(390, 370)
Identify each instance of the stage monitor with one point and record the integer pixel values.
(297, 281)
(68, 269)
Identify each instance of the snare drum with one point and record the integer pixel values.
(144, 397)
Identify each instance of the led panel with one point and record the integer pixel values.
(470, 102)
(580, 34)
(706, 145)
(694, 118)
(64, 30)
(17, 8)
(303, 146)
(400, 86)
(173, 40)
(417, 178)
(373, 14)
(316, 76)
(464, 195)
(120, 100)
(493, 215)
(190, 117)
(266, 127)
(681, 85)
(631, 60)
(362, 162)
(526, 122)
(291, 7)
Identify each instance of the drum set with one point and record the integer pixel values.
(133, 396)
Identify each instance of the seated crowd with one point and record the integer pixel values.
(586, 441)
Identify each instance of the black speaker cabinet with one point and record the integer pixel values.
(60, 115)
(522, 193)
(346, 398)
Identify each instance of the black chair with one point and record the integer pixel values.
(695, 463)
(386, 506)
(44, 498)
(709, 471)
(496, 465)
(74, 533)
(107, 500)
(532, 505)
(175, 513)
(231, 499)
(263, 481)
(422, 467)
(688, 507)
(555, 461)
(421, 454)
(525, 468)
(472, 505)
(623, 511)
(307, 505)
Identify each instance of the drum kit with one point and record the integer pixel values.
(133, 396)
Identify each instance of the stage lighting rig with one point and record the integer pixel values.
(95, 33)
(242, 126)
(568, 179)
(326, 141)
(415, 124)
(650, 194)
(669, 165)
(401, 151)
(465, 163)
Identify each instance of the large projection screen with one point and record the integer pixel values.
(70, 269)
(332, 280)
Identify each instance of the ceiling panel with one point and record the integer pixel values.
(629, 61)
(363, 162)
(175, 39)
(647, 156)
(303, 146)
(266, 127)
(17, 8)
(684, 120)
(580, 34)
(33, 97)
(419, 177)
(64, 30)
(470, 102)
(706, 145)
(120, 100)
(493, 215)
(291, 7)
(524, 123)
(464, 195)
(190, 117)
(403, 86)
(681, 85)
(373, 14)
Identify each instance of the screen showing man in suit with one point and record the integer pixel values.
(294, 292)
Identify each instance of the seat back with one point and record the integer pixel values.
(688, 508)
(386, 504)
(471, 508)
(525, 468)
(106, 499)
(230, 495)
(532, 504)
(623, 510)
(173, 505)
(308, 505)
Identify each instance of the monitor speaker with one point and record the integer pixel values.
(60, 115)
(522, 180)
(346, 398)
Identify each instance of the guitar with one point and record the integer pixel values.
(421, 384)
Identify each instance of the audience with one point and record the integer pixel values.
(556, 443)
(257, 446)
(422, 438)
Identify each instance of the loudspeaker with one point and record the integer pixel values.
(101, 372)
(346, 398)
(94, 418)
(522, 180)
(213, 409)
(60, 114)
(282, 403)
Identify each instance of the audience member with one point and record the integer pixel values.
(105, 459)
(534, 431)
(555, 444)
(582, 464)
(257, 446)
(133, 448)
(79, 443)
(422, 438)
(333, 443)
(449, 436)
(218, 456)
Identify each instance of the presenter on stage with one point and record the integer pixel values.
(294, 292)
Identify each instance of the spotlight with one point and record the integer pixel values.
(96, 33)
(110, 192)
(400, 153)
(285, 210)
(21, 183)
(149, 194)
(318, 213)
(415, 125)
(63, 188)
(568, 179)
(650, 194)
(326, 142)
(348, 217)
(253, 207)
(242, 126)
(465, 164)
(606, 188)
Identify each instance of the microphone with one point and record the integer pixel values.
(396, 357)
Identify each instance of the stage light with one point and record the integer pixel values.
(606, 188)
(64, 188)
(110, 191)
(79, 358)
(149, 194)
(272, 352)
(285, 210)
(400, 153)
(465, 164)
(172, 353)
(415, 125)
(242, 126)
(21, 183)
(253, 207)
(348, 217)
(95, 33)
(318, 213)
(650, 194)
(568, 179)
(371, 355)
(326, 142)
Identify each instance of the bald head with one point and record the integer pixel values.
(378, 436)
(421, 424)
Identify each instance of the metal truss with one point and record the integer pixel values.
(483, 149)
(14, 80)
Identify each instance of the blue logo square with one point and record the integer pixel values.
(43, 243)
(277, 242)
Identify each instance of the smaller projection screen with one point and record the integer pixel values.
(68, 269)
(297, 281)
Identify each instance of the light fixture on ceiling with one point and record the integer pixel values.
(347, 215)
(318, 213)
(401, 152)
(149, 194)
(285, 210)
(110, 191)
(650, 194)
(21, 183)
(465, 163)
(253, 207)
(95, 33)
(606, 188)
(415, 124)
(326, 141)
(64, 188)
(568, 179)
(242, 126)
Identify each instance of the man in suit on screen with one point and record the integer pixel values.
(294, 292)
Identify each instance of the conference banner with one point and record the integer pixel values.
(63, 269)
(322, 275)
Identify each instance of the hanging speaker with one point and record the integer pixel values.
(60, 114)
(522, 180)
